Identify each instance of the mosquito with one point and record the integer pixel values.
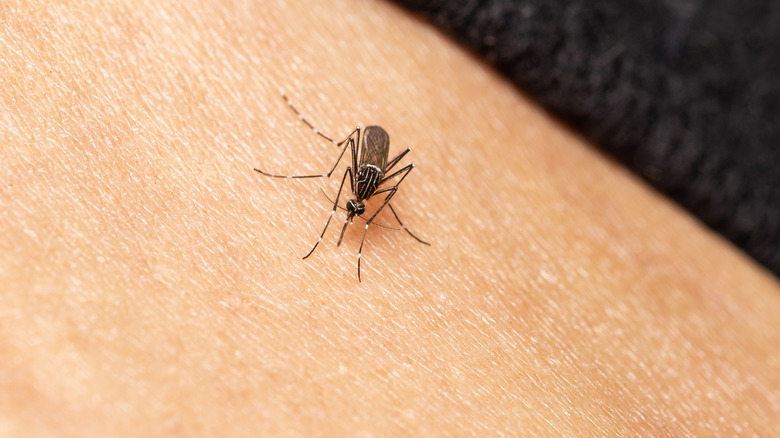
(370, 169)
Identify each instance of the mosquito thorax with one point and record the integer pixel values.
(355, 207)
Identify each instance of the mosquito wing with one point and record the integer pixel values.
(376, 144)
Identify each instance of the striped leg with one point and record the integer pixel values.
(335, 205)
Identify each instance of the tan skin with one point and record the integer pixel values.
(153, 283)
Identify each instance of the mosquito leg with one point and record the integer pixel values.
(309, 124)
(405, 170)
(395, 160)
(390, 193)
(303, 119)
(350, 142)
(352, 182)
(335, 205)
(404, 226)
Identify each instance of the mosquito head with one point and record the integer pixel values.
(355, 207)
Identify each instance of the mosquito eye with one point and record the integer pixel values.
(355, 207)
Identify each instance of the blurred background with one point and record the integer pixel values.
(684, 93)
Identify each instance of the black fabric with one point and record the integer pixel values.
(686, 93)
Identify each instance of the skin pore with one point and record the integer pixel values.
(153, 282)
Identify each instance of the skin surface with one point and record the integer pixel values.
(152, 283)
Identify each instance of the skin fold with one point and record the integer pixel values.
(152, 282)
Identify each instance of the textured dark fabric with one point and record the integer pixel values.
(686, 93)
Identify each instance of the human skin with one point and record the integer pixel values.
(152, 283)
